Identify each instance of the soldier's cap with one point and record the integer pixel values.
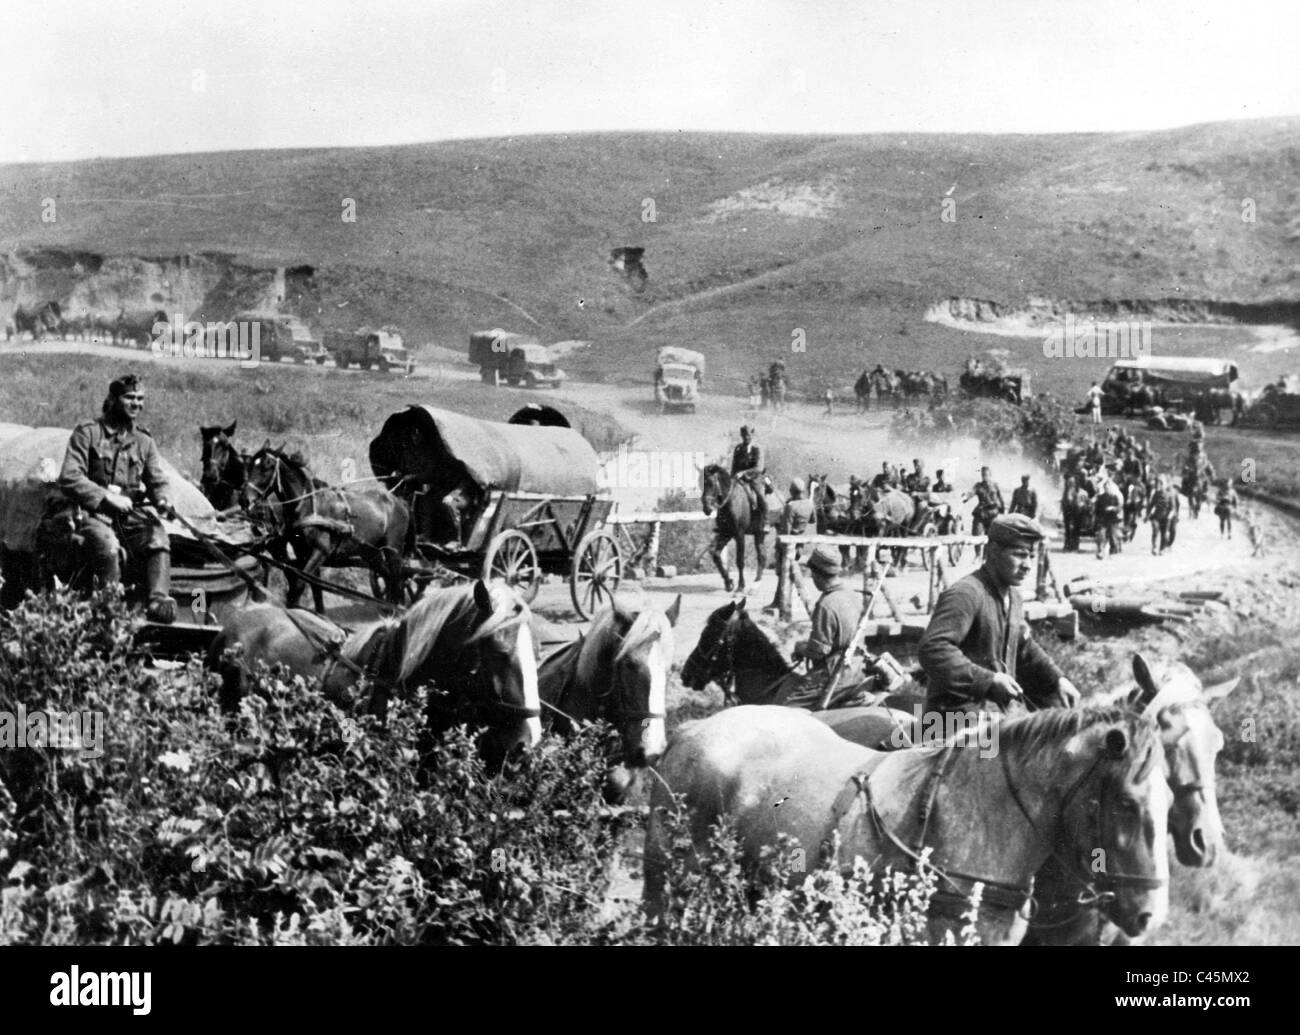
(825, 559)
(124, 384)
(747, 427)
(1015, 530)
(797, 487)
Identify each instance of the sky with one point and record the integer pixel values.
(102, 78)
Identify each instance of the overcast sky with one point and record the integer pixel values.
(121, 77)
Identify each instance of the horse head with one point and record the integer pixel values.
(223, 467)
(636, 648)
(1192, 742)
(473, 642)
(715, 485)
(711, 661)
(1107, 776)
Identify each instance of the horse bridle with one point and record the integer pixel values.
(1098, 890)
(726, 642)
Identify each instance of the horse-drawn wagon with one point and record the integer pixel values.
(499, 501)
(36, 549)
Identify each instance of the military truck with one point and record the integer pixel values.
(516, 359)
(368, 347)
(281, 334)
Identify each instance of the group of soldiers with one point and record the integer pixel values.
(768, 390)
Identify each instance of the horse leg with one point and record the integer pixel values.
(740, 561)
(760, 555)
(715, 551)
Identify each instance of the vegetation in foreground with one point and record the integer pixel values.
(293, 823)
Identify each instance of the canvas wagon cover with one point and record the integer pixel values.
(428, 445)
(30, 461)
(687, 357)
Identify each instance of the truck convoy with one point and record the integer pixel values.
(515, 359)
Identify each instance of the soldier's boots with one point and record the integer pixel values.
(157, 574)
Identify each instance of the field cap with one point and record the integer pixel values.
(797, 487)
(825, 559)
(1016, 530)
(124, 384)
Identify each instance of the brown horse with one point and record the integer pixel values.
(1080, 785)
(737, 518)
(472, 642)
(342, 527)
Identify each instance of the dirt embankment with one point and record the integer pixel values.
(1030, 317)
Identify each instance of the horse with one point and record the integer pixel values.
(471, 641)
(737, 518)
(738, 656)
(326, 525)
(1194, 487)
(862, 391)
(616, 672)
(1180, 707)
(42, 321)
(1075, 784)
(886, 385)
(223, 467)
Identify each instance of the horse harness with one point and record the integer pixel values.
(997, 894)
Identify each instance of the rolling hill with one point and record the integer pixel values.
(746, 237)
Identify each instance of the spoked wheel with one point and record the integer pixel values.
(956, 549)
(597, 571)
(512, 557)
(930, 530)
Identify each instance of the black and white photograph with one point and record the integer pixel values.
(548, 473)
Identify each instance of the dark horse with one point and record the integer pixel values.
(42, 321)
(738, 656)
(737, 518)
(340, 527)
(223, 467)
(472, 642)
(616, 672)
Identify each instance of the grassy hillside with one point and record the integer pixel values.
(752, 236)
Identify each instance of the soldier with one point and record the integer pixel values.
(796, 517)
(1024, 500)
(1108, 509)
(1163, 515)
(917, 481)
(886, 479)
(111, 467)
(1225, 506)
(1135, 501)
(988, 502)
(977, 646)
(939, 484)
(747, 466)
(1094, 403)
(834, 621)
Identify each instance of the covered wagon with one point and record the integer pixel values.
(506, 501)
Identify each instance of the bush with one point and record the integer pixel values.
(707, 898)
(290, 823)
(683, 543)
(1038, 425)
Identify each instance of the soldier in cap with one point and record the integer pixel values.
(834, 621)
(1024, 500)
(747, 466)
(796, 517)
(988, 502)
(111, 467)
(977, 651)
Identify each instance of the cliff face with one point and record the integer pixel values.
(208, 286)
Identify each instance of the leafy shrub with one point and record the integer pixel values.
(683, 543)
(1038, 425)
(290, 823)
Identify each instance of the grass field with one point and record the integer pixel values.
(330, 416)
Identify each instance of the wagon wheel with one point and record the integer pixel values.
(512, 557)
(929, 530)
(956, 549)
(597, 571)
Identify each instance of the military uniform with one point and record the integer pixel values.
(105, 457)
(796, 518)
(1024, 500)
(834, 621)
(988, 505)
(917, 484)
(747, 465)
